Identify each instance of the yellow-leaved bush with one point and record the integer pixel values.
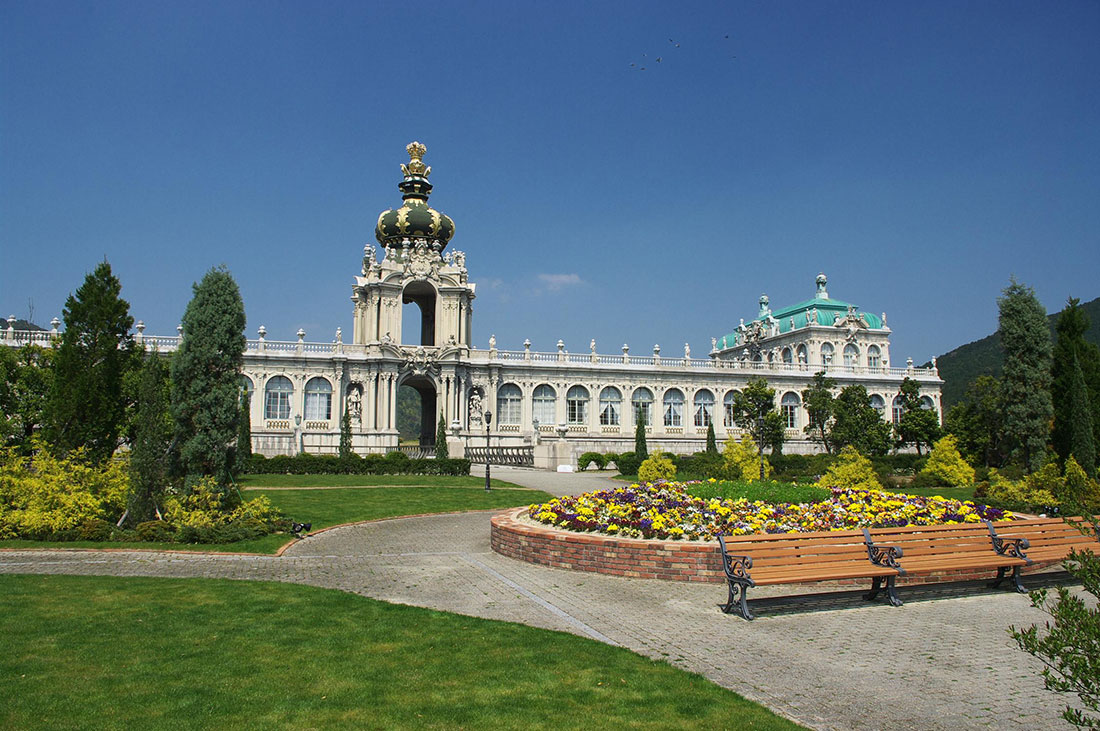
(656, 467)
(1047, 488)
(742, 459)
(851, 471)
(203, 508)
(43, 496)
(946, 465)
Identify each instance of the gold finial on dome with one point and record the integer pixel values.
(416, 164)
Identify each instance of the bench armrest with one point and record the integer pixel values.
(1007, 545)
(736, 567)
(882, 555)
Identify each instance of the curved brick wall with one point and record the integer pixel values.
(646, 559)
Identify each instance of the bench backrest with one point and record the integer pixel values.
(1050, 533)
(936, 540)
(796, 549)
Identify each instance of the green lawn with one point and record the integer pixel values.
(108, 652)
(251, 482)
(323, 508)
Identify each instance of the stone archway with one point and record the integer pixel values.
(423, 295)
(429, 405)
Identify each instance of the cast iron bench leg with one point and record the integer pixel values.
(876, 587)
(1016, 583)
(738, 605)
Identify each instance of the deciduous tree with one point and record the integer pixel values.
(819, 403)
(857, 423)
(754, 411)
(918, 425)
(26, 375)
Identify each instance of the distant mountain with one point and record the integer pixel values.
(961, 366)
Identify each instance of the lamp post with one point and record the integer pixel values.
(488, 421)
(760, 442)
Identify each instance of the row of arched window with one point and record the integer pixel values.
(577, 398)
(279, 390)
(850, 354)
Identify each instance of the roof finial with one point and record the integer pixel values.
(822, 280)
(416, 164)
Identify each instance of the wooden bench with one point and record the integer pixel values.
(883, 554)
(797, 558)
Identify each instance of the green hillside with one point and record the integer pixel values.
(984, 357)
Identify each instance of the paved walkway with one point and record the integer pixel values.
(944, 661)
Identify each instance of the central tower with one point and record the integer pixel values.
(413, 269)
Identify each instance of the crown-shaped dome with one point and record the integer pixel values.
(414, 219)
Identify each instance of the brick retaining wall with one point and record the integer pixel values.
(647, 559)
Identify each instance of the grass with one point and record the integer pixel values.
(335, 506)
(111, 652)
(251, 482)
(769, 491)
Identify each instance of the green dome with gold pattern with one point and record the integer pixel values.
(414, 219)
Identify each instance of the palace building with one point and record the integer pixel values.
(547, 408)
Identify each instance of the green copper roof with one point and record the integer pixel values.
(415, 218)
(796, 317)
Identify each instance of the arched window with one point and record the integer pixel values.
(543, 400)
(674, 407)
(874, 357)
(704, 408)
(509, 403)
(611, 402)
(642, 402)
(728, 412)
(318, 399)
(898, 409)
(277, 395)
(788, 356)
(926, 403)
(788, 406)
(576, 405)
(879, 405)
(758, 357)
(246, 389)
(800, 354)
(851, 355)
(826, 354)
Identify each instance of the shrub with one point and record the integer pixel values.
(851, 471)
(657, 467)
(588, 458)
(699, 466)
(742, 460)
(946, 465)
(397, 457)
(371, 464)
(44, 495)
(155, 531)
(628, 463)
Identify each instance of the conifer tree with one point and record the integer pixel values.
(150, 452)
(712, 442)
(86, 407)
(1025, 337)
(243, 452)
(345, 434)
(641, 450)
(441, 438)
(206, 374)
(1073, 323)
(1080, 427)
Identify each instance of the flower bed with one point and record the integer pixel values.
(668, 511)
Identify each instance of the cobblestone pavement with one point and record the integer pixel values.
(943, 661)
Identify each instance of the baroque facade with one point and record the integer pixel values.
(557, 404)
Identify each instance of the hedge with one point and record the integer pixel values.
(394, 463)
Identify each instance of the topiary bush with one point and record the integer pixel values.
(657, 467)
(588, 458)
(628, 463)
(946, 466)
(851, 471)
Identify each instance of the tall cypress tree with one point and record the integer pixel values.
(441, 437)
(641, 449)
(86, 407)
(1025, 337)
(712, 441)
(345, 434)
(1070, 345)
(243, 453)
(152, 436)
(1080, 427)
(206, 373)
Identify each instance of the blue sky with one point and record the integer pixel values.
(918, 153)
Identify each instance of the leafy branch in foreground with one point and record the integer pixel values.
(1070, 645)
